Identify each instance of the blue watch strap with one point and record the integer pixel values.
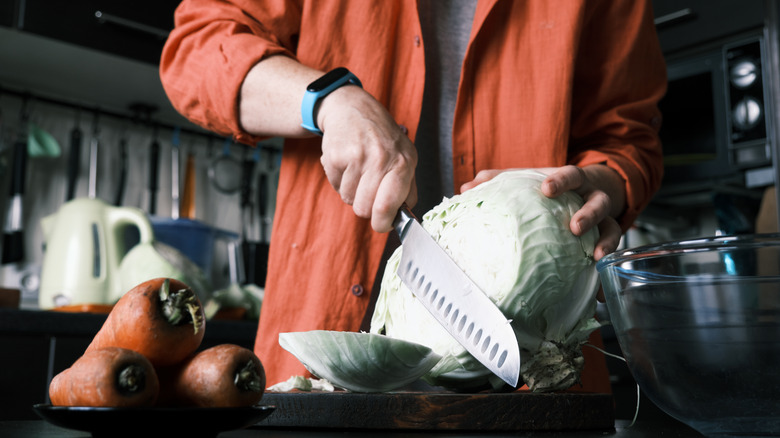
(320, 88)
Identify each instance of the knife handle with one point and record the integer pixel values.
(402, 220)
(19, 169)
(74, 161)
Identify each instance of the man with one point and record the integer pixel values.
(570, 87)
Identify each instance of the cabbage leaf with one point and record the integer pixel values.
(360, 362)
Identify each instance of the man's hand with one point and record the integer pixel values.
(602, 189)
(367, 158)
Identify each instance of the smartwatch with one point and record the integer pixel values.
(320, 88)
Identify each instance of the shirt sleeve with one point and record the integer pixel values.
(620, 77)
(212, 48)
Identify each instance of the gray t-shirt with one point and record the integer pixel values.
(446, 27)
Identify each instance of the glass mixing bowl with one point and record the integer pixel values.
(698, 323)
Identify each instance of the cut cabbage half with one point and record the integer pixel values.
(360, 362)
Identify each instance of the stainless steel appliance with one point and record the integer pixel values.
(718, 117)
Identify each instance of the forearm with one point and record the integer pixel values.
(271, 95)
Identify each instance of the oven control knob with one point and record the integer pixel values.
(744, 74)
(747, 113)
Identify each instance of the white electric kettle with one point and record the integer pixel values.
(85, 243)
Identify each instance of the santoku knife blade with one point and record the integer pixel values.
(456, 302)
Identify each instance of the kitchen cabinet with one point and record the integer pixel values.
(688, 23)
(36, 345)
(131, 29)
(7, 13)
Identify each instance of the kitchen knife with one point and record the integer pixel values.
(121, 185)
(175, 180)
(94, 149)
(74, 160)
(154, 169)
(455, 300)
(13, 233)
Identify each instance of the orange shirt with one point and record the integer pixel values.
(543, 84)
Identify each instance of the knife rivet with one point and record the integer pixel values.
(357, 290)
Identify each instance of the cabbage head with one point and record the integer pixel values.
(516, 245)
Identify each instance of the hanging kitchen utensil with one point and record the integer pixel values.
(74, 159)
(248, 248)
(13, 232)
(93, 159)
(40, 143)
(262, 203)
(247, 212)
(225, 171)
(175, 180)
(154, 169)
(254, 249)
(121, 184)
(261, 252)
(187, 210)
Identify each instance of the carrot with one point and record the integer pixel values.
(107, 377)
(225, 375)
(160, 318)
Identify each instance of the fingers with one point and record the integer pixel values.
(365, 194)
(392, 192)
(595, 209)
(383, 187)
(375, 187)
(564, 179)
(595, 212)
(609, 238)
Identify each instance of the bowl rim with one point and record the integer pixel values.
(709, 243)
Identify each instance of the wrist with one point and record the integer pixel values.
(318, 90)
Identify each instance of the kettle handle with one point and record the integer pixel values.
(118, 217)
(117, 220)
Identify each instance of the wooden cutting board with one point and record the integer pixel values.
(517, 411)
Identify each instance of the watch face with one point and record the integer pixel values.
(327, 79)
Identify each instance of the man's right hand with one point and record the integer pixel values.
(367, 158)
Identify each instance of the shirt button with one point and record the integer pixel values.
(357, 290)
(417, 40)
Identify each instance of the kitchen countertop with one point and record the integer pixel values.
(668, 429)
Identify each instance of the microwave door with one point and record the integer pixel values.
(694, 131)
